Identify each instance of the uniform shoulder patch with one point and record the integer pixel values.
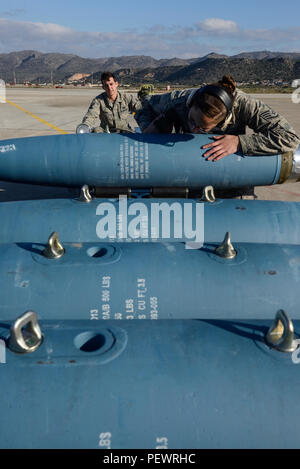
(268, 114)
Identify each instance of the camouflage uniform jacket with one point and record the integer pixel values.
(272, 133)
(104, 114)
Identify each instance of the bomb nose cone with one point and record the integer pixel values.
(290, 167)
(296, 164)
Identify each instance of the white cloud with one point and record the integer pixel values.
(209, 35)
(272, 35)
(217, 25)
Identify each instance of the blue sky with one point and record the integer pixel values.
(162, 28)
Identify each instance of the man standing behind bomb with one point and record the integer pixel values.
(110, 111)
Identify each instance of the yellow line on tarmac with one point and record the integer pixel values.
(37, 117)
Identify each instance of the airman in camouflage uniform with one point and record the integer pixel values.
(272, 133)
(111, 114)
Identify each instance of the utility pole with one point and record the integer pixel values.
(15, 80)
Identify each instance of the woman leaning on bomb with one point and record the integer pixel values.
(222, 109)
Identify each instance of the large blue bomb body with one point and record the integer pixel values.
(175, 384)
(135, 160)
(149, 281)
(211, 382)
(247, 221)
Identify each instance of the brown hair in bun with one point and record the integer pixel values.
(212, 106)
(228, 83)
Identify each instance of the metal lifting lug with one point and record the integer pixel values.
(85, 195)
(226, 250)
(54, 249)
(25, 334)
(208, 194)
(281, 335)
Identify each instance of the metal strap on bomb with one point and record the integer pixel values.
(111, 192)
(169, 192)
(286, 166)
(157, 192)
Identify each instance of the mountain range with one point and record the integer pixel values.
(36, 66)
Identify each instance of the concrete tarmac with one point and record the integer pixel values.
(47, 111)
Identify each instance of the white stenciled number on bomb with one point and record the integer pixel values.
(94, 314)
(105, 440)
(161, 442)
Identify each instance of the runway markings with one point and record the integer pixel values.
(37, 117)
